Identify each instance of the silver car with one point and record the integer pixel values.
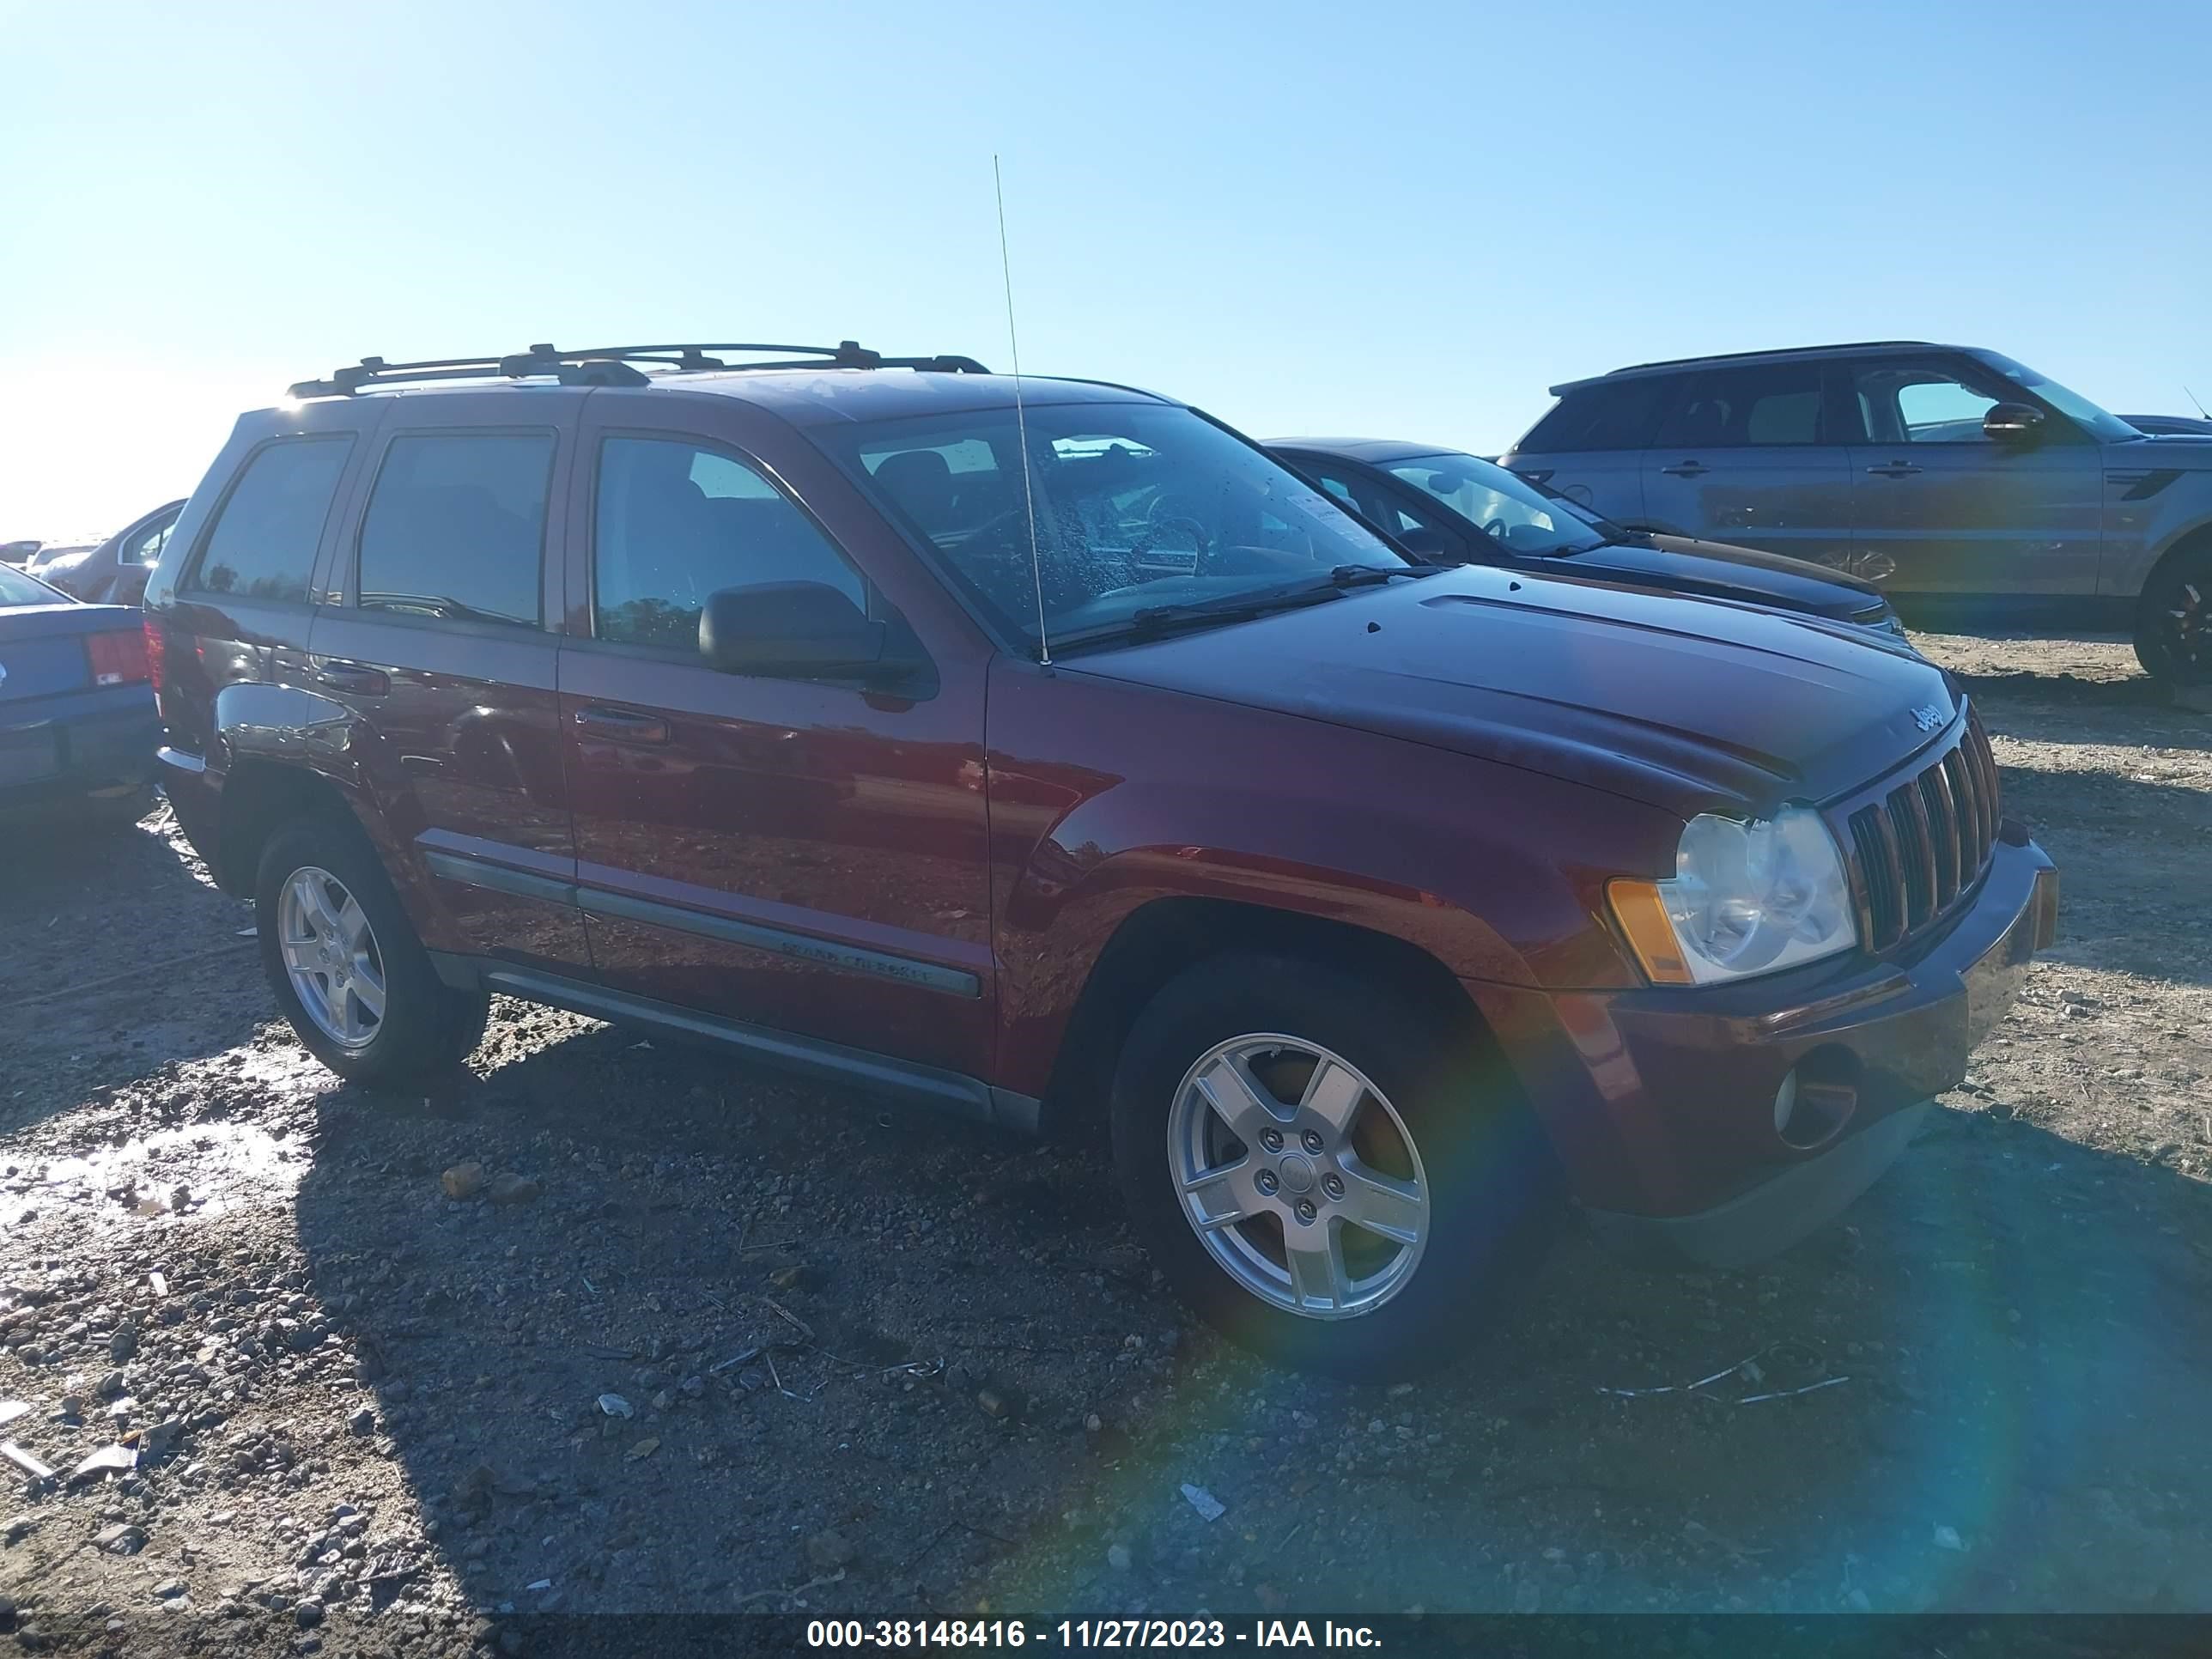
(1968, 487)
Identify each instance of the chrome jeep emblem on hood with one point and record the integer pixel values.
(1928, 716)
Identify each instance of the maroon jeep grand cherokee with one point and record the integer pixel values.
(1371, 907)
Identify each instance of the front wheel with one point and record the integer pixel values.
(2173, 628)
(348, 971)
(1331, 1174)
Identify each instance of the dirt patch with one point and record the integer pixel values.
(724, 1343)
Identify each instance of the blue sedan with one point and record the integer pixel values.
(77, 724)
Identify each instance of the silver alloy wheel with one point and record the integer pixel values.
(1298, 1175)
(329, 952)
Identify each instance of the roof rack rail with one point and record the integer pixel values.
(1772, 351)
(615, 365)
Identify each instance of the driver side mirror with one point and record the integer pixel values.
(793, 630)
(2013, 423)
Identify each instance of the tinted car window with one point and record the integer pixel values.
(1616, 415)
(676, 522)
(456, 526)
(263, 546)
(1745, 408)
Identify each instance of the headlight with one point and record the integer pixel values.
(1745, 898)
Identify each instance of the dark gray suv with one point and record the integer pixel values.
(1968, 487)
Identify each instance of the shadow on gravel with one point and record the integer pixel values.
(79, 904)
(700, 1340)
(799, 1302)
(116, 960)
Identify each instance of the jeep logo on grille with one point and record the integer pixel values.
(1928, 716)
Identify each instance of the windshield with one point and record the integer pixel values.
(16, 588)
(1139, 507)
(2070, 403)
(1508, 509)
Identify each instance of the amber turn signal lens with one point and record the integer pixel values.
(1642, 914)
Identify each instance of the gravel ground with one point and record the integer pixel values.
(693, 1338)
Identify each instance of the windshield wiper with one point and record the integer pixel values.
(1366, 575)
(1343, 576)
(1149, 622)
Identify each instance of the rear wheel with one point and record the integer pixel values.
(347, 967)
(1333, 1176)
(2173, 628)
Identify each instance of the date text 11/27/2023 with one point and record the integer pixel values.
(1086, 1633)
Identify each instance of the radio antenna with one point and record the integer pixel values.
(2192, 396)
(1021, 418)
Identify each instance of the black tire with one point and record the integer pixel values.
(2177, 650)
(1493, 1185)
(428, 1026)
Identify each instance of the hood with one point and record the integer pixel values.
(1683, 705)
(1719, 570)
(2191, 451)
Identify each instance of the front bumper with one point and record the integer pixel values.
(1670, 1135)
(56, 753)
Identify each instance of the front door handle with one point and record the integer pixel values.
(620, 724)
(1686, 470)
(1894, 470)
(356, 679)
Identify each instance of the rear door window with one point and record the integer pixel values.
(263, 545)
(456, 527)
(675, 522)
(1748, 408)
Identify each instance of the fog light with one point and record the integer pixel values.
(1817, 1098)
(1785, 1105)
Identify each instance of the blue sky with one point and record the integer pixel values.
(1404, 221)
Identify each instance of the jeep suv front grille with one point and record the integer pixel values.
(1917, 849)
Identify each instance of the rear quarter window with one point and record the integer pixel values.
(1612, 415)
(262, 544)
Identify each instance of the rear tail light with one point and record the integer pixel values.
(156, 657)
(117, 659)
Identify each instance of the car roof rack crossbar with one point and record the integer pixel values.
(616, 364)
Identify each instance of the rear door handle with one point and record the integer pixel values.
(356, 678)
(1686, 470)
(1894, 470)
(620, 724)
